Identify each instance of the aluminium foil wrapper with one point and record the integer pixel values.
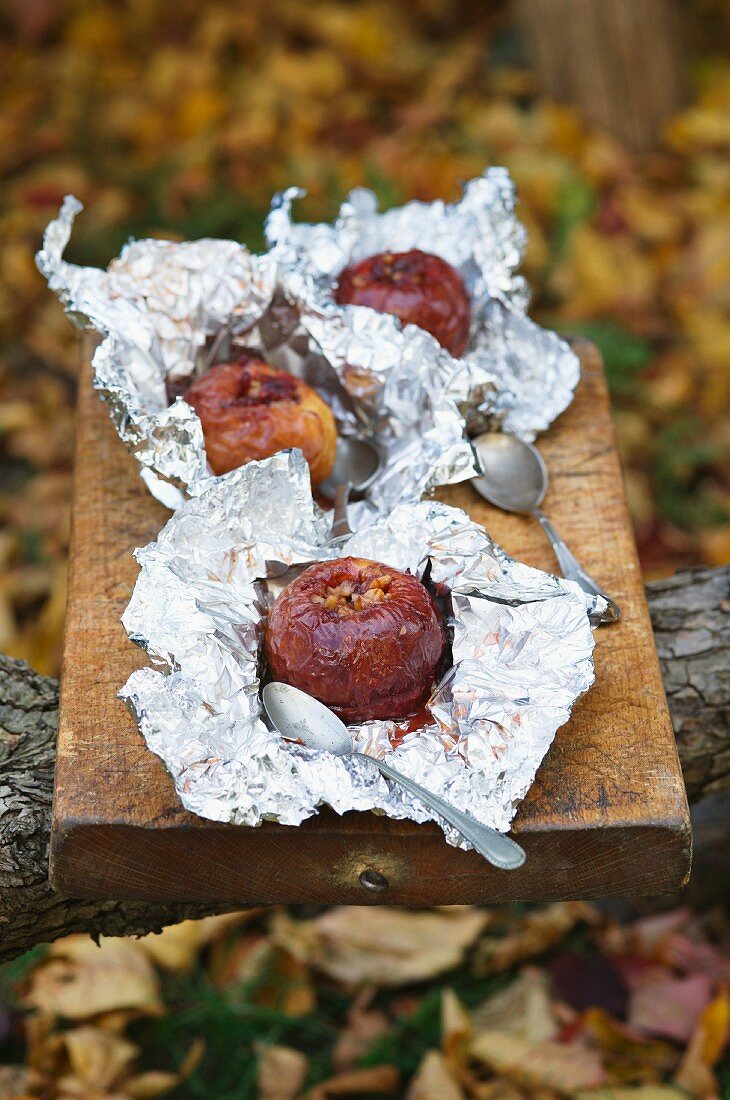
(517, 376)
(521, 642)
(168, 310)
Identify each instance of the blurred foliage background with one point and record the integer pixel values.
(181, 120)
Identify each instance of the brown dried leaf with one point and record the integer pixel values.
(98, 1058)
(144, 1086)
(362, 1027)
(534, 934)
(561, 1067)
(79, 979)
(499, 1089)
(375, 1079)
(177, 947)
(629, 1056)
(281, 1072)
(524, 1008)
(19, 1083)
(433, 1080)
(385, 947)
(456, 1028)
(638, 1092)
(281, 976)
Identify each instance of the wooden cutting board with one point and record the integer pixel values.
(607, 813)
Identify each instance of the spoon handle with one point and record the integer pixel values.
(574, 571)
(340, 526)
(497, 848)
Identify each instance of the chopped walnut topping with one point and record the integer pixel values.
(349, 596)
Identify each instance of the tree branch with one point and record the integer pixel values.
(691, 616)
(690, 613)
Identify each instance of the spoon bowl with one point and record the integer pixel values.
(514, 475)
(357, 464)
(514, 478)
(299, 717)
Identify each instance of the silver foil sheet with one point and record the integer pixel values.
(168, 310)
(515, 374)
(521, 639)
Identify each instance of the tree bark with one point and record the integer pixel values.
(691, 616)
(621, 62)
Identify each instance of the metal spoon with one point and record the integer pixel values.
(357, 464)
(514, 478)
(299, 717)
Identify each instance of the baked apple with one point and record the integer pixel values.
(363, 638)
(250, 410)
(418, 287)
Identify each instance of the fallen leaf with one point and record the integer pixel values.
(79, 979)
(238, 960)
(280, 976)
(523, 1008)
(629, 1056)
(178, 946)
(456, 1028)
(638, 1092)
(433, 1080)
(499, 1089)
(144, 1086)
(362, 1026)
(373, 1079)
(19, 1083)
(670, 1006)
(98, 1058)
(385, 947)
(643, 937)
(636, 971)
(691, 957)
(588, 980)
(281, 1072)
(562, 1067)
(705, 1049)
(286, 985)
(534, 934)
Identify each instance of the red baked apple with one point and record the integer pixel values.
(250, 410)
(418, 287)
(363, 638)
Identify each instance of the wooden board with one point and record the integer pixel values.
(606, 815)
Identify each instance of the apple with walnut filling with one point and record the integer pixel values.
(363, 638)
(250, 410)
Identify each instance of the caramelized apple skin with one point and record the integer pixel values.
(417, 287)
(250, 410)
(362, 654)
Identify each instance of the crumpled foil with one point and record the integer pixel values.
(168, 310)
(517, 375)
(521, 639)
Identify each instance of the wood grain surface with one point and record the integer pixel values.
(607, 813)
